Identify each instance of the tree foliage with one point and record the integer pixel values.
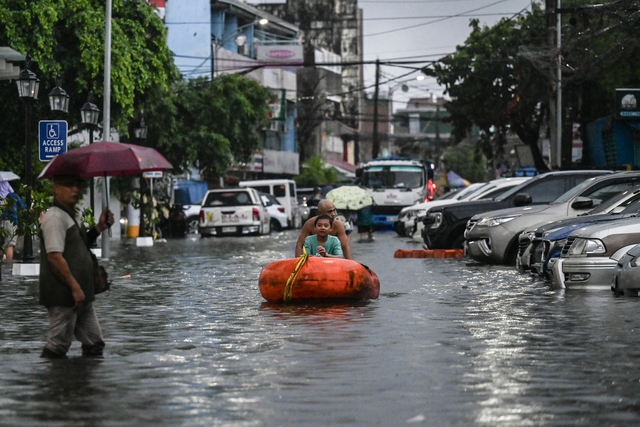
(210, 125)
(67, 38)
(314, 174)
(494, 86)
(466, 161)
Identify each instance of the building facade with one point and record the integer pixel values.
(215, 37)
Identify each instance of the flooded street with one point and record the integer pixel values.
(191, 342)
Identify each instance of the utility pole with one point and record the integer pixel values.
(375, 145)
(555, 105)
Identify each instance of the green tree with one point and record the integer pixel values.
(494, 86)
(314, 174)
(466, 161)
(66, 37)
(211, 125)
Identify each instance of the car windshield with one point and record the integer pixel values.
(393, 177)
(235, 198)
(615, 202)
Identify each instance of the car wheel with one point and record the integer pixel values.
(275, 225)
(192, 224)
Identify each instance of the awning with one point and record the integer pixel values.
(342, 167)
(8, 70)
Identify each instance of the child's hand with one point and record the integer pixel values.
(321, 251)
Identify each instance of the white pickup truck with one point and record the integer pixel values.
(233, 211)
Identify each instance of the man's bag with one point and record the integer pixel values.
(101, 280)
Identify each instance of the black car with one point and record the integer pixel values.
(444, 227)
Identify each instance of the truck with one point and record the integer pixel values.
(395, 183)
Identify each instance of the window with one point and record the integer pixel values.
(280, 190)
(546, 190)
(221, 199)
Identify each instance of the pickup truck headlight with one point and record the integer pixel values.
(435, 220)
(587, 246)
(495, 221)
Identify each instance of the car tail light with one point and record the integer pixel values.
(201, 215)
(256, 214)
(281, 209)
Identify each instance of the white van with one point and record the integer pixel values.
(285, 191)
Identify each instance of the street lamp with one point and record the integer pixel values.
(239, 39)
(28, 86)
(58, 98)
(89, 115)
(140, 132)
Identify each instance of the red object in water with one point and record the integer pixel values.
(319, 278)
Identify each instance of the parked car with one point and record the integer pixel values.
(545, 242)
(285, 191)
(233, 211)
(409, 213)
(592, 253)
(279, 220)
(492, 237)
(445, 226)
(489, 191)
(626, 274)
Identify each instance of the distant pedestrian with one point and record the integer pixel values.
(365, 224)
(67, 273)
(9, 220)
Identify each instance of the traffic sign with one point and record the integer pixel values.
(53, 139)
(152, 174)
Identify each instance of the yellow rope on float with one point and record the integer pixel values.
(288, 289)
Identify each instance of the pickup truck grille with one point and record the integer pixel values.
(470, 224)
(524, 244)
(565, 248)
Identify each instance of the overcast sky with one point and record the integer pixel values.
(420, 30)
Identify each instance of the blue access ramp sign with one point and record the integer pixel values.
(53, 139)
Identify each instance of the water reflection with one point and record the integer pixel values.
(190, 341)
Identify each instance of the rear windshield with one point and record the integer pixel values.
(231, 198)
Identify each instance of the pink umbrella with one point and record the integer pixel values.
(106, 158)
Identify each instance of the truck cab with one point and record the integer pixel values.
(394, 183)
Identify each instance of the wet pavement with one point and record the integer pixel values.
(190, 342)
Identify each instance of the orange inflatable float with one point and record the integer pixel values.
(313, 278)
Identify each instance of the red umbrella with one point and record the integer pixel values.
(106, 158)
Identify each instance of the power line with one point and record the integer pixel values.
(434, 21)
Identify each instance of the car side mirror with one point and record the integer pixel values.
(522, 199)
(582, 202)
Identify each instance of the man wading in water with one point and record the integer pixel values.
(325, 207)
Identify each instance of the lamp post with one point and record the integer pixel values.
(28, 86)
(89, 115)
(140, 133)
(58, 99)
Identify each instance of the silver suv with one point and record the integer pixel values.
(492, 237)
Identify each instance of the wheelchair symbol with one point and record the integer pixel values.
(53, 130)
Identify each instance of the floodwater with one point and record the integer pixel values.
(190, 342)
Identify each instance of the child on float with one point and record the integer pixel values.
(322, 243)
